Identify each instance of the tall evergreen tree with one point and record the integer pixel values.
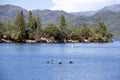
(62, 24)
(1, 31)
(20, 24)
(37, 23)
(30, 26)
(30, 23)
(62, 27)
(78, 33)
(38, 29)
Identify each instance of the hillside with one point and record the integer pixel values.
(8, 12)
(86, 13)
(114, 8)
(49, 16)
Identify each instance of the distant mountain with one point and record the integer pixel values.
(8, 12)
(110, 15)
(111, 19)
(114, 8)
(49, 16)
(87, 13)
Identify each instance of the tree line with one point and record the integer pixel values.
(20, 31)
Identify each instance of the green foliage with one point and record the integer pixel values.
(30, 23)
(15, 35)
(31, 36)
(71, 32)
(1, 30)
(78, 33)
(102, 29)
(109, 35)
(62, 27)
(18, 31)
(20, 24)
(51, 31)
(100, 33)
(6, 30)
(62, 24)
(38, 32)
(85, 32)
(34, 26)
(30, 26)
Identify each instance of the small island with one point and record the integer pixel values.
(32, 31)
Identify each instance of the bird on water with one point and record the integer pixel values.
(50, 61)
(60, 62)
(71, 62)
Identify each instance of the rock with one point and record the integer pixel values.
(30, 41)
(73, 41)
(7, 41)
(85, 40)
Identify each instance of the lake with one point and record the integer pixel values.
(91, 61)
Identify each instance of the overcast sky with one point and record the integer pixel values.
(66, 5)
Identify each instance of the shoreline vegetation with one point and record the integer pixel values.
(31, 31)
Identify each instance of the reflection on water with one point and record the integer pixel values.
(91, 61)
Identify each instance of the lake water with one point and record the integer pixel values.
(91, 61)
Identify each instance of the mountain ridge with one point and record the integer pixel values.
(114, 8)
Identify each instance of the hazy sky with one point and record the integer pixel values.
(66, 5)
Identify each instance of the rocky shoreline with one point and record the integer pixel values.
(45, 40)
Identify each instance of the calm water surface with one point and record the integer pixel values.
(92, 61)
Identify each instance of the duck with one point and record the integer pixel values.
(70, 62)
(50, 62)
(60, 62)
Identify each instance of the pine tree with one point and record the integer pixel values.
(71, 32)
(102, 29)
(78, 33)
(62, 24)
(30, 23)
(62, 27)
(20, 24)
(51, 31)
(30, 26)
(38, 29)
(85, 31)
(1, 31)
(37, 23)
